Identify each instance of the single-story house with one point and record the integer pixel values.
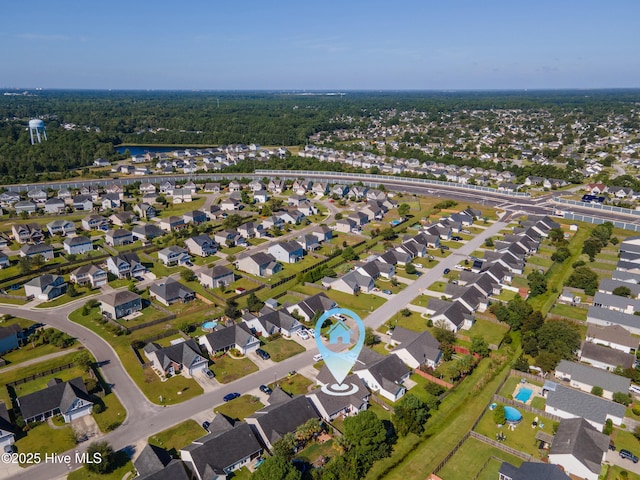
(416, 349)
(183, 357)
(171, 291)
(604, 357)
(382, 374)
(45, 287)
(585, 377)
(237, 336)
(69, 399)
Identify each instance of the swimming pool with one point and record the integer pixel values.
(512, 415)
(209, 325)
(524, 395)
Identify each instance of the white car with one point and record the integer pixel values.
(317, 357)
(303, 334)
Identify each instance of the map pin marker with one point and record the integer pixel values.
(340, 363)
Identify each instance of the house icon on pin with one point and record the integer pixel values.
(339, 331)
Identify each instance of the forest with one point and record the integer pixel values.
(85, 125)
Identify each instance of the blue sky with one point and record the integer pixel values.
(352, 44)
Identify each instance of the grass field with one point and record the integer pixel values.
(471, 460)
(491, 332)
(178, 436)
(281, 349)
(240, 408)
(294, 385)
(44, 439)
(28, 352)
(568, 311)
(227, 369)
(114, 413)
(123, 468)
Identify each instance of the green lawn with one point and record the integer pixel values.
(540, 261)
(112, 416)
(315, 450)
(146, 379)
(177, 437)
(538, 402)
(413, 322)
(40, 383)
(13, 301)
(361, 304)
(28, 370)
(568, 311)
(421, 300)
(509, 387)
(240, 408)
(227, 369)
(294, 385)
(523, 437)
(437, 287)
(27, 352)
(281, 349)
(122, 468)
(491, 332)
(470, 460)
(412, 457)
(44, 439)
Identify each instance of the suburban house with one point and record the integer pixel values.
(568, 297)
(237, 336)
(283, 415)
(227, 448)
(172, 223)
(331, 407)
(229, 238)
(83, 203)
(579, 448)
(613, 336)
(155, 463)
(382, 374)
(111, 200)
(287, 252)
(95, 222)
(37, 195)
(311, 306)
(345, 225)
(531, 471)
(144, 210)
(195, 216)
(89, 275)
(271, 322)
(27, 233)
(604, 317)
(452, 315)
(121, 219)
(260, 264)
(251, 229)
(10, 337)
(7, 429)
(69, 399)
(604, 357)
(26, 206)
(118, 237)
(322, 233)
(183, 357)
(61, 227)
(169, 291)
(260, 196)
(352, 283)
(42, 249)
(201, 245)
(77, 245)
(273, 222)
(173, 255)
(416, 349)
(54, 205)
(585, 377)
(147, 188)
(308, 242)
(567, 402)
(216, 276)
(182, 195)
(4, 260)
(126, 265)
(45, 287)
(120, 304)
(147, 232)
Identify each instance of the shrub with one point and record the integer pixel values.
(636, 410)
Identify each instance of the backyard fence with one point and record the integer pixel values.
(133, 328)
(525, 407)
(433, 379)
(451, 453)
(499, 445)
(60, 368)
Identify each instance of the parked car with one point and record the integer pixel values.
(9, 449)
(444, 247)
(208, 373)
(312, 332)
(317, 357)
(230, 396)
(262, 354)
(188, 263)
(387, 292)
(628, 455)
(266, 389)
(447, 270)
(456, 238)
(303, 334)
(206, 425)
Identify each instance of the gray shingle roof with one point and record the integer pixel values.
(421, 346)
(183, 353)
(613, 317)
(237, 334)
(533, 471)
(577, 437)
(610, 356)
(614, 334)
(151, 459)
(285, 417)
(583, 404)
(593, 376)
(58, 395)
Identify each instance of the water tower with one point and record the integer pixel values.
(37, 126)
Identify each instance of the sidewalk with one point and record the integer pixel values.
(39, 359)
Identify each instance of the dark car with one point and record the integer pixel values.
(266, 389)
(444, 247)
(387, 292)
(208, 373)
(628, 455)
(206, 425)
(262, 354)
(230, 396)
(456, 238)
(447, 270)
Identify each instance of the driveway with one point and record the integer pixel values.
(615, 459)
